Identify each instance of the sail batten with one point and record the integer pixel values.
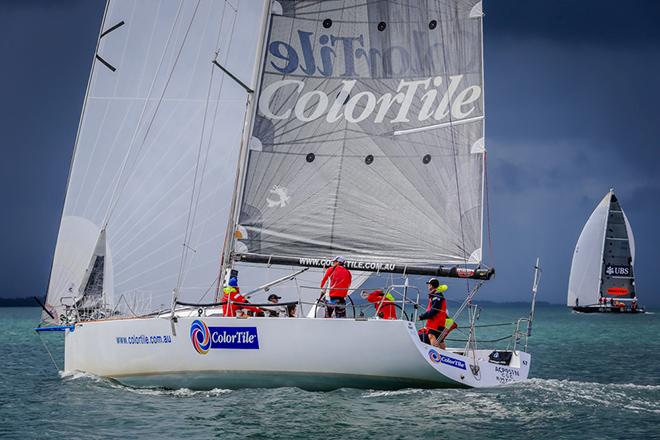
(368, 134)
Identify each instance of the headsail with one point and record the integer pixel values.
(154, 165)
(584, 281)
(368, 138)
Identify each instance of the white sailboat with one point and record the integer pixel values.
(602, 275)
(361, 133)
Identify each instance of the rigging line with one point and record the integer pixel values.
(103, 119)
(48, 351)
(454, 146)
(137, 126)
(154, 169)
(208, 146)
(491, 259)
(79, 128)
(131, 220)
(151, 251)
(117, 189)
(208, 289)
(242, 169)
(194, 201)
(341, 162)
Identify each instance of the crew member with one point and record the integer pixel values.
(275, 311)
(234, 300)
(435, 315)
(384, 303)
(339, 279)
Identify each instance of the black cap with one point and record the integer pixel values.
(272, 296)
(433, 282)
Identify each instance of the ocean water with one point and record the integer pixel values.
(592, 377)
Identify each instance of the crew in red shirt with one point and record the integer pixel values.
(340, 281)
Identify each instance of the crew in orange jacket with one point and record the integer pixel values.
(340, 281)
(384, 303)
(232, 296)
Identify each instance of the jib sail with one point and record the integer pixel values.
(153, 172)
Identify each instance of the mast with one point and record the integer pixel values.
(245, 140)
(601, 262)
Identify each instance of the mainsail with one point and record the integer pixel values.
(154, 166)
(604, 257)
(368, 137)
(618, 255)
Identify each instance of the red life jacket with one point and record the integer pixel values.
(340, 281)
(438, 320)
(387, 308)
(232, 295)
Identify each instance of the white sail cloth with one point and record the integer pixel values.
(369, 134)
(156, 153)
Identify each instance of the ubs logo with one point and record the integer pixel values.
(617, 270)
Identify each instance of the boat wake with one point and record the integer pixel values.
(550, 397)
(180, 392)
(405, 392)
(615, 396)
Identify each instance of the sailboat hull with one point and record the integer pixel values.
(607, 309)
(314, 354)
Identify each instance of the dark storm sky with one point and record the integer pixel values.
(572, 100)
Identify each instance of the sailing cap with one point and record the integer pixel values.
(272, 296)
(433, 282)
(339, 259)
(233, 282)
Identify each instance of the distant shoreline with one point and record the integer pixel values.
(18, 302)
(30, 302)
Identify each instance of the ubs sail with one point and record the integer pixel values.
(602, 274)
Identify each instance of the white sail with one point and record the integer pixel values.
(603, 262)
(584, 280)
(154, 164)
(368, 139)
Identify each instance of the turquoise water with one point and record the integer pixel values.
(593, 376)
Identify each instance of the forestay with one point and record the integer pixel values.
(155, 159)
(368, 138)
